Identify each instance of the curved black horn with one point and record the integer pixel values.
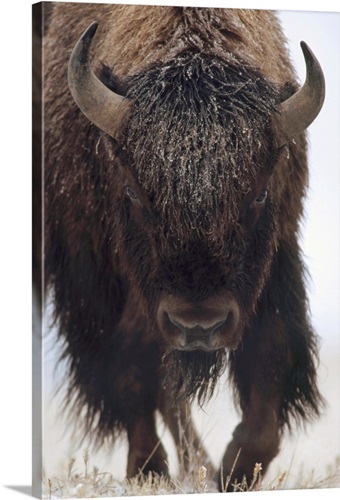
(100, 105)
(300, 110)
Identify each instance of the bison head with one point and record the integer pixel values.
(198, 141)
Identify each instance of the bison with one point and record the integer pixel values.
(175, 173)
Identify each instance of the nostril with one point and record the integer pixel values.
(177, 324)
(176, 329)
(219, 324)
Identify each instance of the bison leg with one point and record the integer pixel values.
(190, 449)
(136, 381)
(146, 452)
(255, 440)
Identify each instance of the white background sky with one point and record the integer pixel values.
(322, 33)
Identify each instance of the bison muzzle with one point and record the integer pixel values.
(208, 325)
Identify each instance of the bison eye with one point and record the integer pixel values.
(261, 198)
(130, 194)
(132, 197)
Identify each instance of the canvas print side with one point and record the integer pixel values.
(37, 302)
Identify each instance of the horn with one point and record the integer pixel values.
(100, 105)
(301, 109)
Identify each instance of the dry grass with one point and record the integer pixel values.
(92, 483)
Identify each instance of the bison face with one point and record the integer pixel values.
(197, 159)
(195, 199)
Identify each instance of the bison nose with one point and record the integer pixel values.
(193, 335)
(207, 325)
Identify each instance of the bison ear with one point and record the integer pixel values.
(99, 104)
(301, 109)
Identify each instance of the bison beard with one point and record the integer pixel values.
(190, 374)
(200, 145)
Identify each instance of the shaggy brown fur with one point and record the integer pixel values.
(194, 206)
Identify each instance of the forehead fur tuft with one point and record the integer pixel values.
(199, 136)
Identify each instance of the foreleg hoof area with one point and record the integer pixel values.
(143, 465)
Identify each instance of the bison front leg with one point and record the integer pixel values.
(190, 449)
(135, 377)
(146, 452)
(255, 441)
